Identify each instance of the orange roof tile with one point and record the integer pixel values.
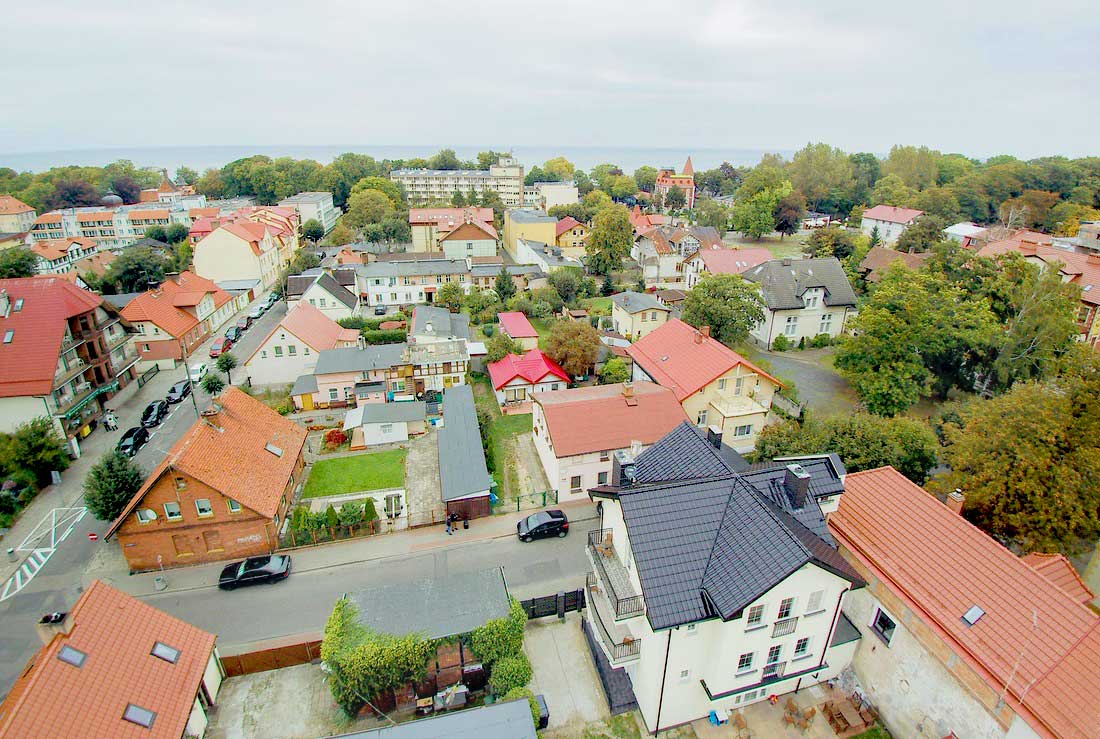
(567, 224)
(48, 218)
(1035, 641)
(229, 449)
(161, 306)
(472, 231)
(671, 355)
(516, 325)
(116, 633)
(892, 214)
(10, 206)
(203, 213)
(722, 261)
(533, 367)
(1082, 269)
(151, 214)
(95, 264)
(95, 215)
(1061, 572)
(599, 417)
(249, 231)
(313, 328)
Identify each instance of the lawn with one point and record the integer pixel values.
(597, 306)
(543, 325)
(361, 472)
(502, 433)
(788, 246)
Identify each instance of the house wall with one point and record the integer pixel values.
(377, 433)
(265, 367)
(197, 721)
(224, 256)
(529, 388)
(212, 677)
(387, 291)
(572, 242)
(636, 325)
(462, 248)
(545, 233)
(323, 301)
(16, 411)
(888, 232)
(760, 387)
(808, 323)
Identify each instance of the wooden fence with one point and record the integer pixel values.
(273, 654)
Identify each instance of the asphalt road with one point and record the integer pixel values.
(58, 584)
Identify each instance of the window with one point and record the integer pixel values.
(785, 607)
(653, 315)
(263, 354)
(792, 326)
(72, 656)
(773, 654)
(333, 394)
(722, 383)
(323, 303)
(172, 511)
(575, 483)
(756, 616)
(745, 430)
(393, 505)
(8, 336)
(883, 625)
(202, 505)
(138, 715)
(292, 350)
(387, 428)
(701, 419)
(605, 456)
(145, 515)
(744, 663)
(181, 483)
(165, 652)
(811, 301)
(738, 385)
(601, 479)
(278, 351)
(305, 351)
(814, 604)
(826, 323)
(685, 675)
(802, 647)
(312, 301)
(234, 506)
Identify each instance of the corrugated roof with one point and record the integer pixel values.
(354, 359)
(462, 470)
(508, 720)
(411, 410)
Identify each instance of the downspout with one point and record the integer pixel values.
(664, 676)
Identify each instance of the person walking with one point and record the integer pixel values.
(449, 526)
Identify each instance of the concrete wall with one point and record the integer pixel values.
(461, 248)
(224, 256)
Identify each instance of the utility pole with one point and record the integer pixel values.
(190, 382)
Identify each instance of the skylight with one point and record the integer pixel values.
(18, 304)
(274, 449)
(138, 715)
(165, 652)
(971, 616)
(72, 656)
(8, 336)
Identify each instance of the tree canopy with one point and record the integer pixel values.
(610, 240)
(18, 261)
(110, 484)
(730, 305)
(574, 345)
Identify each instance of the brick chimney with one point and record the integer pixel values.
(628, 389)
(52, 624)
(1028, 247)
(956, 501)
(1093, 258)
(796, 481)
(705, 331)
(698, 337)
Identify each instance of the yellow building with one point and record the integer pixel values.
(530, 225)
(571, 237)
(634, 315)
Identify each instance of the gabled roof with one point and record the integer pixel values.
(1060, 571)
(313, 328)
(1080, 269)
(533, 367)
(54, 249)
(879, 259)
(678, 356)
(516, 325)
(784, 281)
(116, 633)
(395, 412)
(566, 224)
(328, 283)
(685, 454)
(723, 261)
(164, 304)
(462, 470)
(10, 206)
(250, 232)
(892, 214)
(354, 359)
(29, 360)
(634, 302)
(472, 230)
(439, 323)
(1036, 642)
(232, 450)
(601, 417)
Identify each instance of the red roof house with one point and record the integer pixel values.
(515, 378)
(892, 214)
(719, 260)
(518, 328)
(1060, 571)
(177, 311)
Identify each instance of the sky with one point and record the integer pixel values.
(981, 77)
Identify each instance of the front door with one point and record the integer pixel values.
(307, 402)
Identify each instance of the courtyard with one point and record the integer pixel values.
(355, 473)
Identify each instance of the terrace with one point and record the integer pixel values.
(613, 576)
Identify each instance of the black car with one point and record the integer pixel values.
(133, 440)
(234, 334)
(154, 414)
(178, 392)
(379, 310)
(255, 570)
(541, 525)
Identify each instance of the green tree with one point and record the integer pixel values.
(675, 198)
(182, 253)
(313, 230)
(176, 233)
(916, 167)
(226, 363)
(574, 345)
(1033, 205)
(486, 159)
(755, 216)
(730, 305)
(157, 233)
(341, 234)
(607, 287)
(712, 213)
(367, 206)
(213, 383)
(925, 233)
(560, 168)
(610, 240)
(186, 175)
(892, 190)
(621, 186)
(504, 286)
(445, 159)
(392, 189)
(18, 262)
(831, 242)
(594, 202)
(36, 447)
(211, 184)
(137, 268)
(939, 202)
(110, 484)
(450, 296)
(645, 178)
(789, 213)
(614, 370)
(478, 300)
(350, 514)
(500, 346)
(567, 285)
(767, 175)
(510, 673)
(458, 200)
(500, 638)
(821, 172)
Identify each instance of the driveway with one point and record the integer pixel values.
(820, 387)
(565, 674)
(422, 480)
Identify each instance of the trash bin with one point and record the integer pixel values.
(544, 712)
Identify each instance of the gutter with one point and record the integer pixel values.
(664, 677)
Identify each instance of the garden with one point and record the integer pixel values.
(343, 475)
(498, 436)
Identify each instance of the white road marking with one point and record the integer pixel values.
(42, 543)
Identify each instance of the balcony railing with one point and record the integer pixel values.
(613, 575)
(784, 627)
(75, 368)
(621, 648)
(774, 671)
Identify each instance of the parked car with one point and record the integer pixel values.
(244, 322)
(220, 347)
(154, 414)
(258, 311)
(272, 299)
(133, 440)
(379, 310)
(198, 372)
(234, 333)
(255, 570)
(542, 525)
(178, 392)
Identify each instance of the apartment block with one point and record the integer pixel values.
(424, 186)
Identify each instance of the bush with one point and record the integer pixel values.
(489, 328)
(510, 673)
(369, 512)
(335, 437)
(332, 519)
(355, 322)
(110, 484)
(802, 343)
(517, 693)
(541, 309)
(821, 340)
(781, 343)
(350, 514)
(502, 637)
(390, 336)
(302, 520)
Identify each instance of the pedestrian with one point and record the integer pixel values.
(449, 524)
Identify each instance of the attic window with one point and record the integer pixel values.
(70, 655)
(8, 336)
(274, 449)
(165, 652)
(138, 715)
(971, 616)
(19, 304)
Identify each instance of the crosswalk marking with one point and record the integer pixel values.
(41, 544)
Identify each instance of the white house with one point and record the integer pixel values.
(517, 378)
(432, 325)
(471, 238)
(385, 423)
(328, 296)
(660, 251)
(549, 258)
(546, 195)
(317, 206)
(959, 232)
(292, 347)
(889, 220)
(577, 431)
(636, 314)
(712, 588)
(721, 261)
(408, 282)
(803, 298)
(242, 250)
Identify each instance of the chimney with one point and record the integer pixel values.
(622, 469)
(361, 341)
(5, 303)
(628, 389)
(1028, 247)
(714, 436)
(1093, 258)
(635, 448)
(52, 624)
(705, 331)
(698, 337)
(786, 262)
(796, 481)
(956, 501)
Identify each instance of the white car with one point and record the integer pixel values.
(198, 372)
(256, 313)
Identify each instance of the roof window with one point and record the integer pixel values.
(273, 449)
(165, 652)
(18, 304)
(972, 615)
(9, 335)
(72, 656)
(138, 715)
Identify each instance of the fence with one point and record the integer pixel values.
(553, 605)
(526, 501)
(788, 406)
(301, 650)
(308, 537)
(148, 374)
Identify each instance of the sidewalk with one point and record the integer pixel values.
(350, 551)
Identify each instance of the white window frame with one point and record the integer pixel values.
(787, 603)
(150, 516)
(754, 618)
(813, 605)
(791, 326)
(209, 508)
(804, 642)
(742, 431)
(880, 611)
(775, 654)
(826, 323)
(233, 505)
(168, 515)
(743, 667)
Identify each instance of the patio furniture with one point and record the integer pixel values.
(850, 714)
(792, 706)
(719, 718)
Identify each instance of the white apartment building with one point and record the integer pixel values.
(546, 195)
(314, 205)
(15, 215)
(408, 282)
(439, 185)
(113, 228)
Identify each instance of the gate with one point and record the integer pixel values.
(148, 374)
(553, 605)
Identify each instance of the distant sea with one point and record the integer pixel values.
(202, 157)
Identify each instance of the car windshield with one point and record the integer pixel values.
(537, 519)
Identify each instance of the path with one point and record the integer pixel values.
(820, 387)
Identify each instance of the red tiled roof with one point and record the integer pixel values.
(117, 633)
(1061, 572)
(444, 216)
(1082, 269)
(313, 327)
(152, 214)
(670, 355)
(250, 231)
(163, 306)
(95, 264)
(51, 249)
(10, 206)
(203, 213)
(29, 360)
(879, 259)
(566, 224)
(892, 214)
(516, 325)
(1035, 641)
(52, 217)
(533, 367)
(643, 222)
(474, 230)
(95, 215)
(227, 450)
(600, 417)
(721, 261)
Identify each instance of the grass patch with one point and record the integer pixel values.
(597, 306)
(352, 474)
(623, 726)
(502, 432)
(875, 732)
(787, 247)
(543, 326)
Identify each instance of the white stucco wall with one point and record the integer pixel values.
(888, 232)
(16, 411)
(531, 388)
(223, 256)
(462, 248)
(808, 322)
(323, 301)
(267, 369)
(377, 433)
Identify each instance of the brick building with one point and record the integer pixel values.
(667, 179)
(223, 492)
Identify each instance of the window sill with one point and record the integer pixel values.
(206, 515)
(746, 673)
(814, 613)
(761, 627)
(173, 520)
(882, 638)
(185, 554)
(799, 659)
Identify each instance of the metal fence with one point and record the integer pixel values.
(526, 501)
(553, 605)
(148, 374)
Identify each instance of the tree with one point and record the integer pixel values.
(211, 184)
(610, 240)
(500, 638)
(500, 346)
(127, 188)
(789, 213)
(574, 345)
(445, 159)
(822, 174)
(940, 203)
(226, 363)
(176, 233)
(18, 261)
(892, 190)
(621, 186)
(510, 673)
(922, 236)
(71, 194)
(392, 189)
(675, 198)
(730, 305)
(477, 301)
(110, 484)
(614, 370)
(157, 233)
(645, 178)
(186, 175)
(341, 234)
(450, 296)
(181, 256)
(458, 200)
(567, 284)
(916, 167)
(712, 213)
(213, 383)
(755, 216)
(560, 168)
(1035, 205)
(313, 230)
(137, 268)
(504, 286)
(607, 287)
(862, 440)
(594, 202)
(34, 446)
(831, 242)
(486, 159)
(367, 206)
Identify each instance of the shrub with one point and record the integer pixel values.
(369, 511)
(516, 693)
(488, 329)
(355, 322)
(510, 673)
(802, 343)
(332, 519)
(501, 637)
(487, 316)
(335, 437)
(350, 514)
(301, 520)
(821, 340)
(541, 309)
(781, 343)
(389, 336)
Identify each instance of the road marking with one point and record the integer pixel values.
(42, 542)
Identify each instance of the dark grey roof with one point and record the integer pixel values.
(783, 281)
(633, 302)
(120, 301)
(411, 410)
(336, 290)
(149, 243)
(511, 720)
(304, 384)
(462, 470)
(527, 215)
(414, 267)
(443, 324)
(354, 359)
(436, 607)
(297, 284)
(492, 270)
(685, 454)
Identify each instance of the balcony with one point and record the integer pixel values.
(613, 576)
(618, 641)
(70, 342)
(733, 406)
(67, 404)
(773, 672)
(73, 369)
(785, 626)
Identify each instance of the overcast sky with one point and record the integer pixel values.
(979, 77)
